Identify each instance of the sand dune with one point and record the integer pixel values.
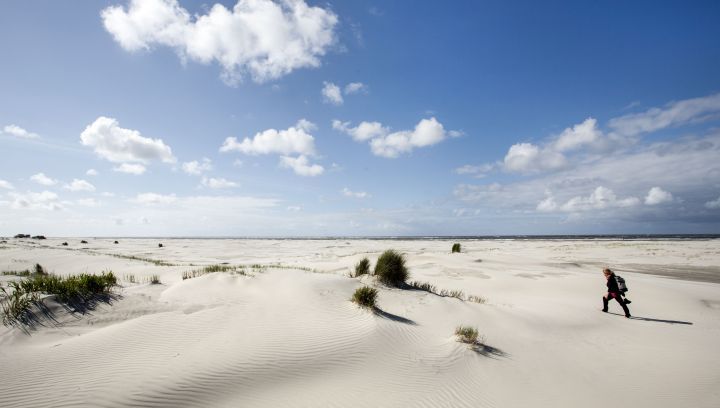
(286, 335)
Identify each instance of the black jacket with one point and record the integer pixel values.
(612, 285)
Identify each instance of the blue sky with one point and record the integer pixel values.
(261, 118)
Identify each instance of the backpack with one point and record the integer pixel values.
(621, 284)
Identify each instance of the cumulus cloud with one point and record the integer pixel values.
(390, 145)
(294, 140)
(79, 185)
(600, 199)
(673, 114)
(197, 168)
(45, 200)
(6, 185)
(301, 166)
(91, 172)
(713, 205)
(355, 87)
(356, 194)
(529, 158)
(218, 183)
(478, 171)
(129, 168)
(17, 131)
(121, 145)
(580, 135)
(42, 179)
(154, 198)
(260, 38)
(657, 195)
(332, 94)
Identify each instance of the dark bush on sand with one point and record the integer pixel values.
(390, 268)
(455, 247)
(365, 297)
(362, 267)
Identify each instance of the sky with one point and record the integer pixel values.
(359, 118)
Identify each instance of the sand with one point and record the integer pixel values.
(286, 335)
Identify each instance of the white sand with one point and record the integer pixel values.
(291, 338)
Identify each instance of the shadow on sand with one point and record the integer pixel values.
(489, 351)
(648, 319)
(44, 315)
(395, 318)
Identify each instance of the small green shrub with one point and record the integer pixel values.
(362, 267)
(365, 297)
(39, 270)
(390, 268)
(456, 247)
(154, 280)
(467, 334)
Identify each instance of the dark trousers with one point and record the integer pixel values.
(619, 299)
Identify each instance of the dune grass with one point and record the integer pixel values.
(365, 297)
(467, 334)
(155, 262)
(37, 270)
(458, 294)
(362, 267)
(477, 299)
(234, 269)
(73, 289)
(130, 278)
(456, 247)
(154, 280)
(390, 268)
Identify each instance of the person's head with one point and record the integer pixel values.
(607, 272)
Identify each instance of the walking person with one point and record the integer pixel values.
(613, 292)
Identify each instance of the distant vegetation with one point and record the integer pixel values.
(154, 280)
(390, 268)
(362, 267)
(365, 297)
(456, 247)
(458, 294)
(235, 269)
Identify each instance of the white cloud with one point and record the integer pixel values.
(294, 208)
(477, 171)
(332, 94)
(136, 169)
(301, 166)
(17, 131)
(600, 199)
(6, 185)
(355, 87)
(120, 145)
(657, 195)
(673, 114)
(529, 158)
(42, 179)
(582, 134)
(357, 194)
(217, 183)
(197, 168)
(91, 172)
(390, 145)
(294, 140)
(45, 200)
(713, 205)
(79, 185)
(257, 37)
(362, 132)
(154, 198)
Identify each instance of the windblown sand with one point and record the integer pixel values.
(289, 336)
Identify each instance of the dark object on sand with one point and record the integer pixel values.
(83, 242)
(22, 236)
(115, 242)
(160, 246)
(38, 237)
(456, 247)
(64, 244)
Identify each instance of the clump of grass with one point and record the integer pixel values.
(26, 272)
(467, 334)
(16, 305)
(154, 280)
(390, 268)
(39, 270)
(458, 294)
(156, 262)
(477, 299)
(362, 267)
(456, 247)
(83, 242)
(365, 297)
(426, 286)
(235, 269)
(130, 278)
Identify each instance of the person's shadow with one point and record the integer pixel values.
(649, 319)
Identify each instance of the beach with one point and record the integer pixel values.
(275, 327)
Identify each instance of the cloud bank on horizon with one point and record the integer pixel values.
(391, 144)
